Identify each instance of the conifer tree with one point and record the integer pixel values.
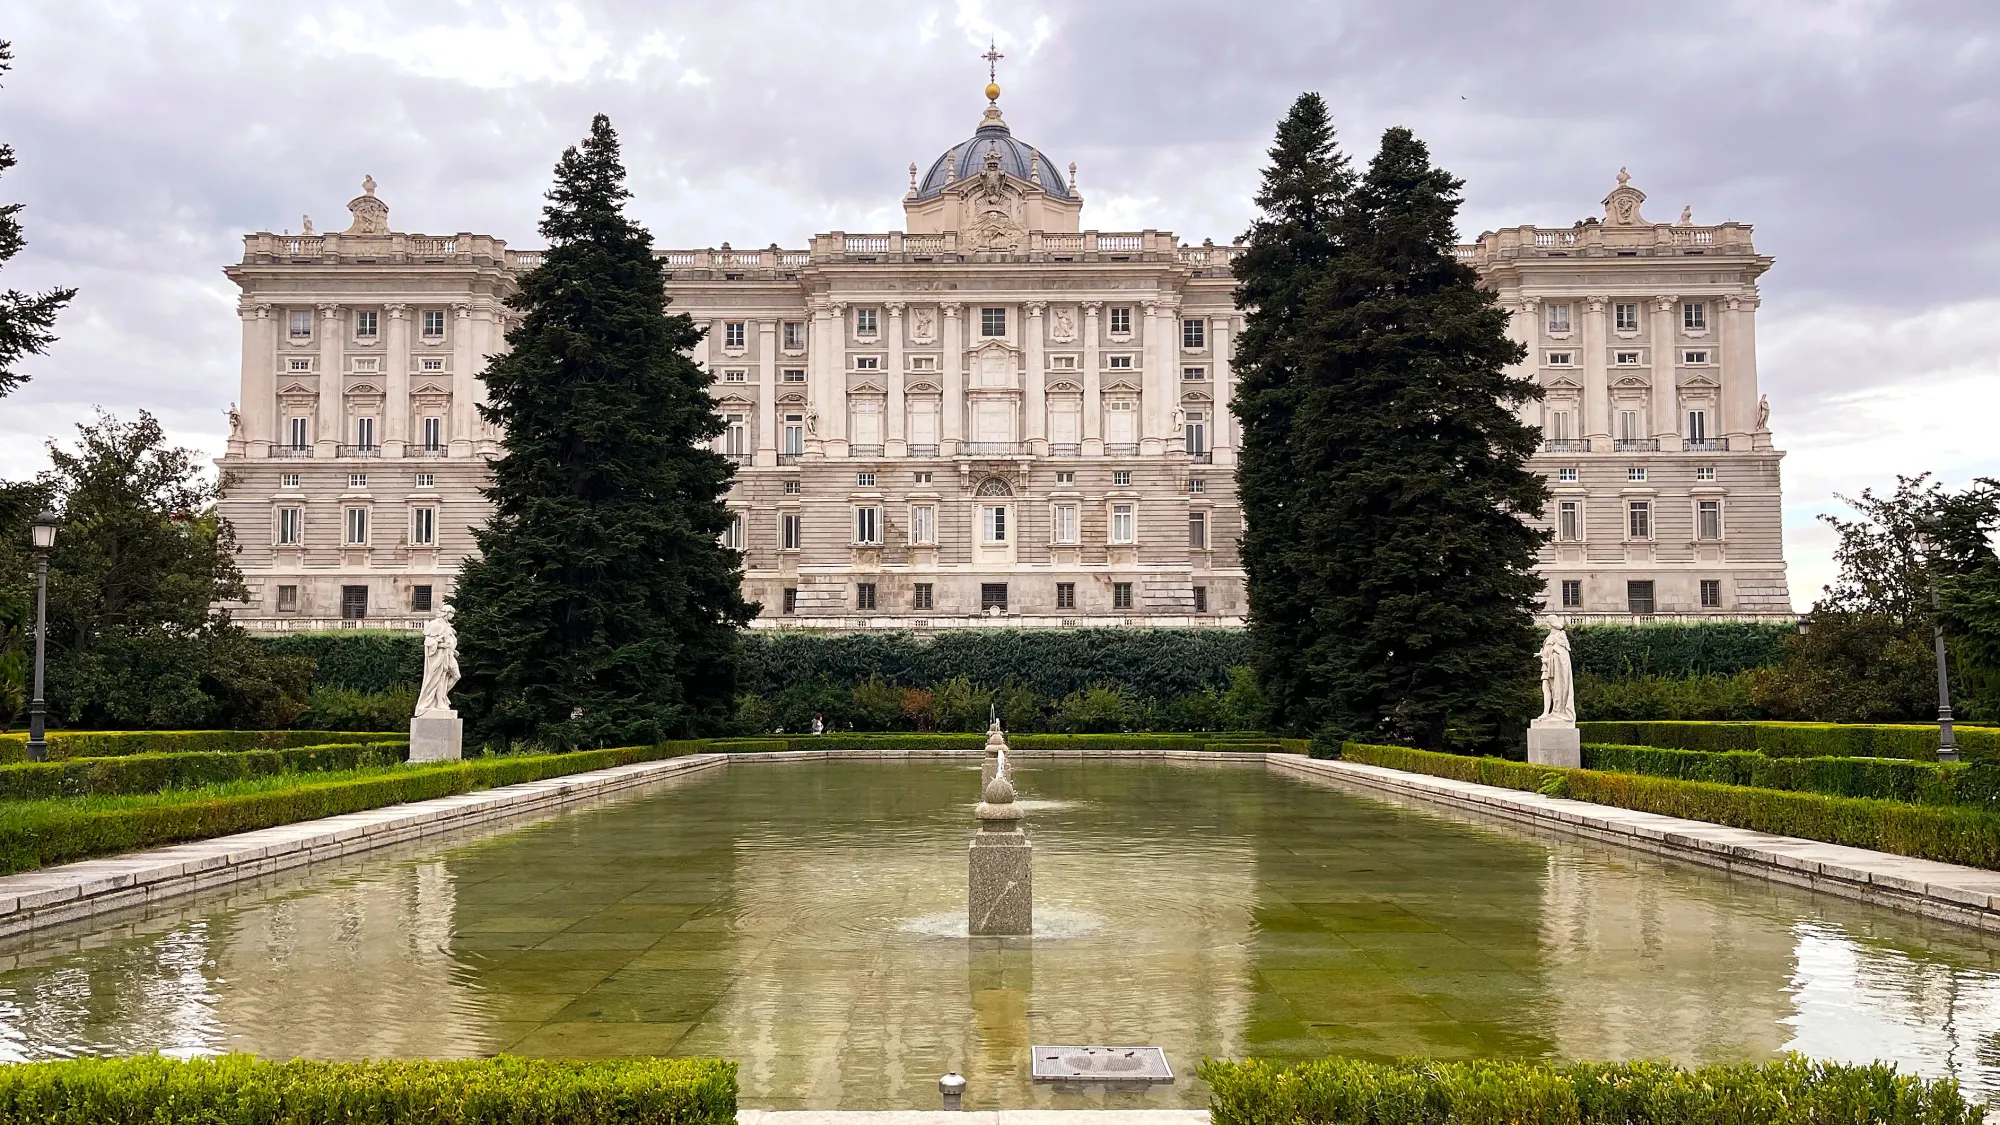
(1413, 477)
(25, 318)
(602, 609)
(1288, 248)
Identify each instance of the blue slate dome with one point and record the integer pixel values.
(969, 156)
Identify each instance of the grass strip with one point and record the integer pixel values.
(153, 773)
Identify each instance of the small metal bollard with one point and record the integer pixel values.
(952, 1086)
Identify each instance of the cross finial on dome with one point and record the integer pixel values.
(993, 57)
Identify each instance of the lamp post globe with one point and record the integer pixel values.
(43, 536)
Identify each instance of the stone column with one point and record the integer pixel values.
(260, 381)
(767, 393)
(1596, 378)
(892, 426)
(1521, 329)
(464, 380)
(1093, 383)
(952, 332)
(1221, 345)
(1034, 386)
(1152, 400)
(332, 385)
(833, 416)
(820, 346)
(1666, 400)
(489, 337)
(1168, 378)
(396, 365)
(1739, 370)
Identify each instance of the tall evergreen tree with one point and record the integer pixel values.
(1288, 249)
(603, 608)
(1413, 477)
(25, 318)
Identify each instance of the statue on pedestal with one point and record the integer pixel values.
(436, 732)
(1553, 739)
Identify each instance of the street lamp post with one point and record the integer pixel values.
(1947, 744)
(44, 531)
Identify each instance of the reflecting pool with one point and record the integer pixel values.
(806, 920)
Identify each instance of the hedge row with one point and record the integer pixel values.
(118, 743)
(1889, 779)
(1721, 648)
(242, 1090)
(356, 659)
(1799, 740)
(1789, 1091)
(152, 773)
(1240, 741)
(37, 833)
(1950, 834)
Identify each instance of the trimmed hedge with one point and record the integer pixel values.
(1799, 740)
(242, 1090)
(1720, 648)
(38, 833)
(1950, 834)
(366, 660)
(1240, 741)
(1790, 1091)
(152, 773)
(1890, 779)
(118, 743)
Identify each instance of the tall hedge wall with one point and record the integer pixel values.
(1722, 648)
(1799, 740)
(357, 659)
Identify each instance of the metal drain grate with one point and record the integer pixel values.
(1101, 1064)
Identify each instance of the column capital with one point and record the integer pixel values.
(1737, 302)
(1035, 308)
(1530, 302)
(1665, 302)
(258, 311)
(767, 324)
(329, 310)
(1596, 303)
(462, 310)
(396, 311)
(837, 308)
(950, 309)
(1092, 308)
(894, 309)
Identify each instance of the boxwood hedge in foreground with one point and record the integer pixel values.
(241, 1090)
(112, 743)
(1799, 740)
(151, 773)
(1891, 779)
(1790, 1091)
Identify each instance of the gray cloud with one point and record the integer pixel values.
(1855, 136)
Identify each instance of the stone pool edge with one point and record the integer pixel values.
(1967, 896)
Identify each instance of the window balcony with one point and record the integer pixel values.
(358, 451)
(1200, 457)
(922, 450)
(992, 448)
(1120, 449)
(1065, 449)
(1706, 445)
(1566, 445)
(789, 458)
(864, 451)
(739, 458)
(1635, 445)
(414, 450)
(291, 451)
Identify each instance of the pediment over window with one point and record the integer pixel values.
(1563, 382)
(1196, 397)
(793, 399)
(922, 389)
(364, 389)
(1632, 383)
(866, 387)
(431, 389)
(1065, 388)
(1121, 385)
(1700, 380)
(734, 399)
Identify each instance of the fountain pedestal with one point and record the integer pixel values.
(996, 744)
(1000, 865)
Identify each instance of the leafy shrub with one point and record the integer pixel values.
(112, 744)
(339, 708)
(1798, 740)
(1649, 698)
(1094, 710)
(1949, 834)
(1890, 779)
(366, 660)
(1673, 651)
(247, 1091)
(151, 773)
(877, 705)
(1788, 1091)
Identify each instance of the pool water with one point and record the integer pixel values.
(806, 919)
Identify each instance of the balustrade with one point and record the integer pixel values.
(1566, 445)
(992, 448)
(1706, 445)
(291, 451)
(1635, 445)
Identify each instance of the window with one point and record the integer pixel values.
(1063, 525)
(1196, 486)
(1697, 425)
(864, 480)
(868, 525)
(420, 599)
(1121, 363)
(428, 364)
(992, 322)
(1121, 595)
(1121, 321)
(791, 599)
(1694, 316)
(795, 335)
(1711, 593)
(1636, 474)
(864, 322)
(794, 375)
(299, 363)
(433, 327)
(1065, 595)
(1559, 318)
(301, 324)
(1121, 478)
(795, 434)
(735, 375)
(1195, 374)
(433, 434)
(291, 522)
(1639, 519)
(923, 523)
(1121, 523)
(1198, 531)
(1201, 599)
(992, 595)
(864, 595)
(791, 488)
(357, 480)
(1626, 317)
(1569, 521)
(732, 533)
(1561, 359)
(1639, 596)
(1194, 334)
(791, 531)
(1625, 359)
(1705, 472)
(364, 433)
(733, 333)
(288, 599)
(1628, 425)
(368, 366)
(993, 523)
(1572, 593)
(298, 433)
(366, 325)
(354, 602)
(423, 527)
(1566, 476)
(920, 596)
(1708, 519)
(1195, 430)
(426, 480)
(288, 480)
(1066, 477)
(357, 527)
(1694, 358)
(867, 363)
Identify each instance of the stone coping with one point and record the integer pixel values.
(1949, 892)
(972, 1117)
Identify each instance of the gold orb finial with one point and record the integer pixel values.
(993, 91)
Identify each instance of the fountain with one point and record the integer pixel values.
(1000, 878)
(996, 744)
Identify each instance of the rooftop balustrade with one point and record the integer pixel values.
(1595, 239)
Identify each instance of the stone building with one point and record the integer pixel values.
(992, 417)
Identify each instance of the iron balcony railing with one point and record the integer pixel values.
(291, 451)
(922, 450)
(1120, 449)
(1065, 449)
(788, 458)
(424, 451)
(1635, 445)
(739, 458)
(864, 451)
(359, 451)
(1566, 445)
(1706, 445)
(1200, 457)
(992, 448)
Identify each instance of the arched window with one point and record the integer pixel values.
(994, 486)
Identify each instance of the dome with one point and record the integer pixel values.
(970, 158)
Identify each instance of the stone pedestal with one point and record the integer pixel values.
(1000, 884)
(1555, 745)
(437, 736)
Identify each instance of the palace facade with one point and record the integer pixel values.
(992, 417)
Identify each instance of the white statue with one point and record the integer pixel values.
(308, 221)
(924, 325)
(1065, 324)
(235, 422)
(1558, 688)
(1763, 413)
(1687, 215)
(440, 664)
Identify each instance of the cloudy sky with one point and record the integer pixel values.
(1856, 136)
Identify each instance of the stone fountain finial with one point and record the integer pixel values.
(996, 746)
(999, 882)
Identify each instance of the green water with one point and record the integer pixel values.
(800, 919)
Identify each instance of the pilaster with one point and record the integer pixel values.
(1034, 384)
(332, 385)
(833, 416)
(1596, 377)
(396, 368)
(767, 393)
(1222, 345)
(1093, 383)
(893, 440)
(953, 376)
(260, 376)
(1739, 369)
(1152, 400)
(463, 380)
(1667, 421)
